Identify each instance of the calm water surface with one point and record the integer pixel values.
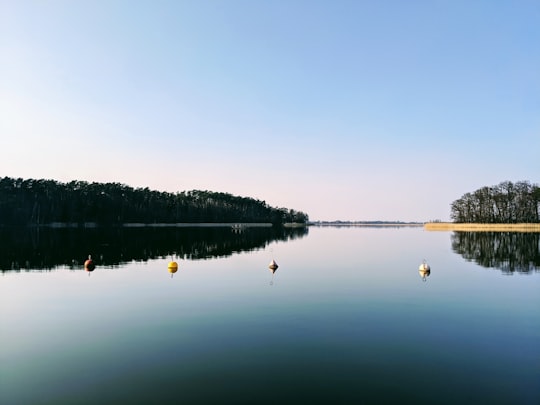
(346, 318)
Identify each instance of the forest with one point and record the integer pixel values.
(507, 203)
(46, 202)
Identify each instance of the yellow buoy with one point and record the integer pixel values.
(172, 267)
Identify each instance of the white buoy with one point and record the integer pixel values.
(273, 265)
(424, 266)
(424, 270)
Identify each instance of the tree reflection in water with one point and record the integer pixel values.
(507, 251)
(48, 248)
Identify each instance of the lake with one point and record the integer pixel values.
(346, 318)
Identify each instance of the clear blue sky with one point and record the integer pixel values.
(352, 110)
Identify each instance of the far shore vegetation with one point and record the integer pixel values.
(505, 203)
(29, 202)
(506, 207)
(365, 223)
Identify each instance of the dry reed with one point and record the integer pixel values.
(450, 226)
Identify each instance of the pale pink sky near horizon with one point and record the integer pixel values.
(348, 110)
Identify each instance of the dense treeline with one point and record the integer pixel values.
(507, 202)
(37, 202)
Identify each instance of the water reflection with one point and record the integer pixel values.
(424, 274)
(47, 248)
(507, 251)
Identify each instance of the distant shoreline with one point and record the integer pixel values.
(477, 227)
(365, 224)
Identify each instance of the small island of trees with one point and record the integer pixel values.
(505, 203)
(46, 202)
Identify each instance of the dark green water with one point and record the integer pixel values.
(346, 318)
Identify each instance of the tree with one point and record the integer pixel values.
(36, 202)
(506, 202)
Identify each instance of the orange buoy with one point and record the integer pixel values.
(89, 264)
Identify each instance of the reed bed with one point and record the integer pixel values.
(450, 226)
